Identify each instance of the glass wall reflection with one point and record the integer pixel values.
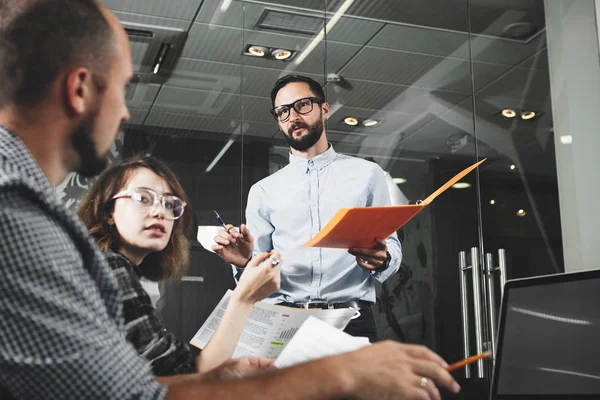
(416, 87)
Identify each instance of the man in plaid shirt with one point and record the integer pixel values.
(64, 67)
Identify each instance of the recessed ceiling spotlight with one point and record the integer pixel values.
(281, 54)
(399, 181)
(512, 167)
(370, 122)
(270, 53)
(509, 113)
(461, 185)
(521, 213)
(257, 51)
(525, 115)
(492, 202)
(351, 121)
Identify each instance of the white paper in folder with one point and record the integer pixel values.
(317, 339)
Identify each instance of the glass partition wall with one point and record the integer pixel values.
(424, 89)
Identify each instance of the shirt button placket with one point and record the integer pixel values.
(315, 227)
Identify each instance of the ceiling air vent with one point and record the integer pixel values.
(154, 50)
(289, 22)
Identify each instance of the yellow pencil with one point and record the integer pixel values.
(467, 361)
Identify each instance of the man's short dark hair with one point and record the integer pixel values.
(314, 86)
(39, 43)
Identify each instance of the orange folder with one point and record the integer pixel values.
(358, 227)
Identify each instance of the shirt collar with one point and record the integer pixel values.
(318, 162)
(18, 155)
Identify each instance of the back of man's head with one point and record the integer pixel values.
(10, 9)
(39, 42)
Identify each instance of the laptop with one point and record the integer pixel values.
(549, 339)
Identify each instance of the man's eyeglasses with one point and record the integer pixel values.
(146, 199)
(302, 106)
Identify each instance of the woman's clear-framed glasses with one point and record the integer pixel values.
(147, 199)
(302, 106)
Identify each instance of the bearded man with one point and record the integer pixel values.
(291, 206)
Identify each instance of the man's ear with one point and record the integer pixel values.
(78, 90)
(325, 110)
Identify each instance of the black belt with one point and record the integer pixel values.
(358, 304)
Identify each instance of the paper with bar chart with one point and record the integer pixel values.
(269, 327)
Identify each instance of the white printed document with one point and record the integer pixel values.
(316, 339)
(269, 327)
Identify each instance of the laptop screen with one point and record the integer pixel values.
(549, 338)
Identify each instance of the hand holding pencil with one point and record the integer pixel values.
(232, 246)
(467, 361)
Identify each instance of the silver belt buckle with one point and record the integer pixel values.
(315, 301)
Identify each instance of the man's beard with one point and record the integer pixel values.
(307, 141)
(90, 162)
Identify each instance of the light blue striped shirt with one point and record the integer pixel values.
(291, 206)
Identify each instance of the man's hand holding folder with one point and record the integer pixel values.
(358, 228)
(372, 259)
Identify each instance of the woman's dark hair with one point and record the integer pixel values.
(97, 206)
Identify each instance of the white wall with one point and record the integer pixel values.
(573, 53)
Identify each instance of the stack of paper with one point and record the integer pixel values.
(317, 339)
(269, 327)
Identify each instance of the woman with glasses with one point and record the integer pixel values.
(136, 212)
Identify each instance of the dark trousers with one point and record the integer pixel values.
(363, 325)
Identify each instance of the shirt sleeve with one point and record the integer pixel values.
(144, 327)
(58, 340)
(380, 196)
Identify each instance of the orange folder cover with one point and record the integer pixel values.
(358, 227)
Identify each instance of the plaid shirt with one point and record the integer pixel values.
(143, 326)
(61, 330)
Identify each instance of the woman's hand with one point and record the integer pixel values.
(260, 278)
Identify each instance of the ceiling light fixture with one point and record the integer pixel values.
(512, 167)
(336, 17)
(370, 122)
(225, 5)
(399, 181)
(461, 185)
(521, 213)
(281, 54)
(271, 53)
(525, 115)
(351, 121)
(221, 153)
(509, 113)
(257, 51)
(492, 202)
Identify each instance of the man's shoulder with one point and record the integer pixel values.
(10, 175)
(275, 179)
(358, 163)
